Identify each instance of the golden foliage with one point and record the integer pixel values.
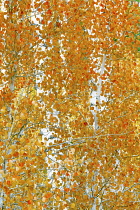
(51, 61)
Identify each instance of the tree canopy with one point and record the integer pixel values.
(70, 67)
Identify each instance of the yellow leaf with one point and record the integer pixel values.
(72, 205)
(57, 198)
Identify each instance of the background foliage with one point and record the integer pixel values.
(71, 67)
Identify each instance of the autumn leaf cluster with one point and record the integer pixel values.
(53, 56)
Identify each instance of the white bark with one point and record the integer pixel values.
(98, 99)
(98, 92)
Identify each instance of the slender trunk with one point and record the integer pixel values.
(98, 94)
(97, 110)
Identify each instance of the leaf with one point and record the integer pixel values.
(48, 195)
(72, 205)
(29, 201)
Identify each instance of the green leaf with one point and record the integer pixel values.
(134, 0)
(45, 171)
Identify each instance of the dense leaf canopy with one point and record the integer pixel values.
(72, 68)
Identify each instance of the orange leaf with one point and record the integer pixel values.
(66, 189)
(1, 143)
(29, 201)
(16, 154)
(48, 195)
(8, 182)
